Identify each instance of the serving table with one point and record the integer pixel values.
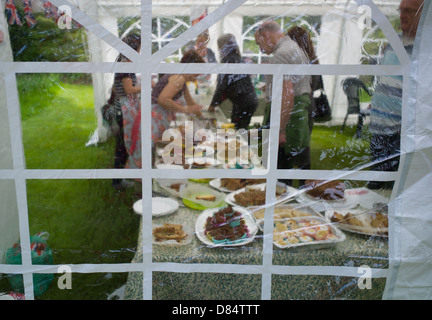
(355, 251)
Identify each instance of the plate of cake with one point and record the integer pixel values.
(330, 193)
(226, 226)
(255, 195)
(360, 220)
(229, 185)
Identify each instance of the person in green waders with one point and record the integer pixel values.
(294, 135)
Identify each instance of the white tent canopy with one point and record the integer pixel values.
(409, 274)
(340, 41)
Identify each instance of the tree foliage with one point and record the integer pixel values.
(46, 41)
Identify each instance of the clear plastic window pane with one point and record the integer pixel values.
(202, 154)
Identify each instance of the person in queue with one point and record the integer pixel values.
(126, 95)
(294, 135)
(238, 88)
(386, 104)
(201, 46)
(166, 94)
(302, 37)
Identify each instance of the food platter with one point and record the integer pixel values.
(306, 232)
(322, 205)
(360, 220)
(289, 193)
(201, 197)
(160, 206)
(365, 197)
(218, 185)
(284, 211)
(354, 197)
(172, 186)
(200, 227)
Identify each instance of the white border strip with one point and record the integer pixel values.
(112, 67)
(143, 62)
(197, 267)
(147, 184)
(28, 174)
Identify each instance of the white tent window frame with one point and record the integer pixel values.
(259, 55)
(147, 63)
(161, 38)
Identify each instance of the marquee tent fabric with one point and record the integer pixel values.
(408, 275)
(336, 15)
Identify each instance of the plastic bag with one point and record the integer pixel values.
(323, 110)
(41, 253)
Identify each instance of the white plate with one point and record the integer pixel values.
(249, 220)
(165, 184)
(353, 197)
(365, 198)
(160, 206)
(363, 215)
(311, 212)
(216, 183)
(323, 205)
(315, 243)
(168, 166)
(193, 190)
(291, 193)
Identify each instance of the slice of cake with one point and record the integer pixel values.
(207, 197)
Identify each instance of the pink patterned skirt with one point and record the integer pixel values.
(131, 108)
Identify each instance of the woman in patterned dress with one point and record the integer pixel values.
(127, 88)
(166, 94)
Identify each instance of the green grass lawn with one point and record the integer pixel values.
(87, 220)
(332, 149)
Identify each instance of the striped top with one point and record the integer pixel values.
(118, 84)
(119, 89)
(386, 104)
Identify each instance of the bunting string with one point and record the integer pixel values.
(28, 11)
(51, 11)
(12, 13)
